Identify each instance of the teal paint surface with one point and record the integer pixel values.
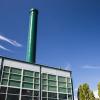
(31, 47)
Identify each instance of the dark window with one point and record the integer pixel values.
(27, 92)
(13, 90)
(44, 94)
(52, 95)
(69, 97)
(2, 96)
(36, 93)
(44, 99)
(3, 89)
(26, 98)
(69, 90)
(6, 68)
(63, 96)
(36, 98)
(12, 97)
(52, 99)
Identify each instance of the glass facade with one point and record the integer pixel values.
(22, 84)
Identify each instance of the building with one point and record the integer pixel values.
(25, 81)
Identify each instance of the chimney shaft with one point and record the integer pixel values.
(31, 46)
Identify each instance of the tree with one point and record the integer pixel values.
(91, 96)
(84, 92)
(80, 95)
(99, 90)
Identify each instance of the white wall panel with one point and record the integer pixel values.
(55, 72)
(21, 65)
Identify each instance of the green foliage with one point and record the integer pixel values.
(84, 93)
(91, 95)
(80, 95)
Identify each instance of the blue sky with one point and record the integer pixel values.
(68, 35)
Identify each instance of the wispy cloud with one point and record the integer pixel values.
(2, 47)
(91, 67)
(12, 42)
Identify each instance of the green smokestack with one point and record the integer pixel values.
(31, 47)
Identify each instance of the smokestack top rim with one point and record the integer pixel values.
(32, 10)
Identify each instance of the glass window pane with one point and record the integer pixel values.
(69, 85)
(37, 74)
(63, 96)
(44, 81)
(36, 86)
(3, 90)
(44, 87)
(61, 79)
(52, 95)
(4, 82)
(36, 80)
(28, 79)
(44, 99)
(44, 94)
(52, 77)
(28, 73)
(12, 97)
(36, 98)
(15, 70)
(69, 97)
(52, 88)
(14, 83)
(60, 84)
(44, 75)
(52, 83)
(27, 85)
(6, 68)
(68, 80)
(15, 77)
(5, 75)
(27, 92)
(26, 98)
(64, 90)
(2, 96)
(36, 93)
(13, 90)
(52, 99)
(69, 90)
